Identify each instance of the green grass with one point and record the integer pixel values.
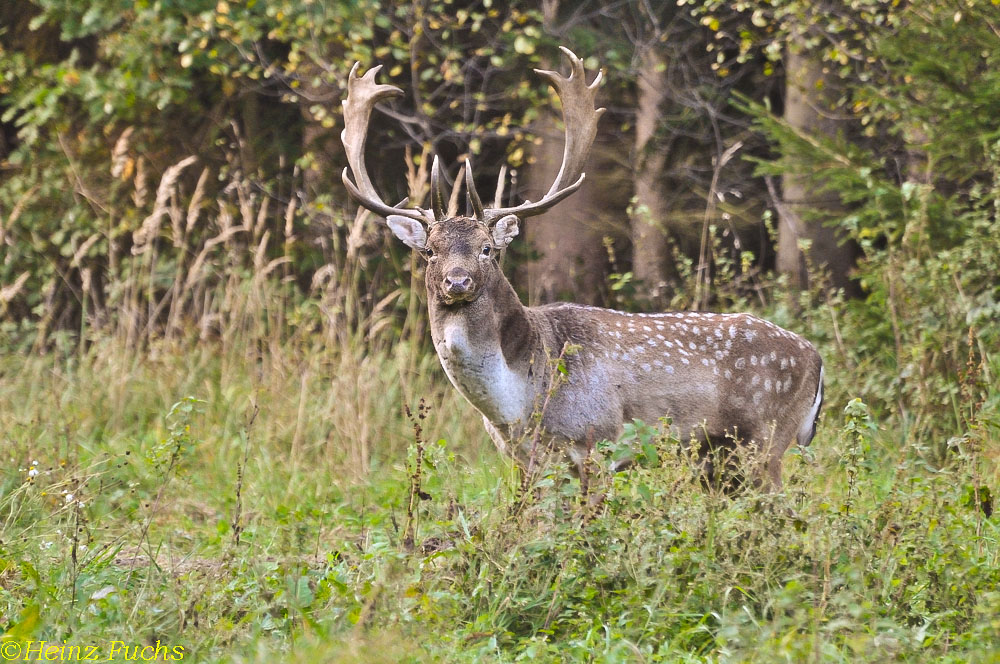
(873, 552)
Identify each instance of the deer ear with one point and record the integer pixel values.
(505, 230)
(410, 231)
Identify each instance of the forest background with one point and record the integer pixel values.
(219, 407)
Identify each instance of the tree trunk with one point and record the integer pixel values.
(809, 96)
(571, 260)
(651, 259)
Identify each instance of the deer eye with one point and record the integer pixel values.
(487, 249)
(428, 253)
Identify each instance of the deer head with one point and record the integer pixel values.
(462, 253)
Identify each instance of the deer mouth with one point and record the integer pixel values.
(456, 296)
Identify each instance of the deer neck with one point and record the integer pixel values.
(486, 348)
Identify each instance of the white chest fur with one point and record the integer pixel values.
(477, 368)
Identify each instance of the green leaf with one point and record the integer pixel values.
(27, 623)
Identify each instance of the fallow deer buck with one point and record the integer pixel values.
(724, 379)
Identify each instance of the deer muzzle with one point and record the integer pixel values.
(458, 285)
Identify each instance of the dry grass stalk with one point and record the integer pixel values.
(194, 207)
(119, 154)
(418, 177)
(455, 189)
(141, 177)
(16, 212)
(83, 249)
(151, 224)
(224, 236)
(355, 239)
(8, 293)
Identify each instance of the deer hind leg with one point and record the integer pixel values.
(736, 460)
(779, 439)
(718, 462)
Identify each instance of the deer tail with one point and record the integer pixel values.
(808, 427)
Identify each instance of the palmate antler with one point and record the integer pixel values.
(362, 95)
(579, 116)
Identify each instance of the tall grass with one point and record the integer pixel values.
(219, 457)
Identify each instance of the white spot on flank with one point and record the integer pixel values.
(753, 360)
(685, 360)
(755, 380)
(647, 328)
(784, 363)
(696, 330)
(691, 345)
(757, 396)
(732, 331)
(750, 335)
(652, 342)
(718, 333)
(767, 385)
(791, 360)
(774, 356)
(646, 367)
(704, 361)
(741, 363)
(660, 337)
(728, 374)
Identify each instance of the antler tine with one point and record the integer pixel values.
(362, 95)
(470, 187)
(437, 194)
(580, 119)
(501, 183)
(579, 114)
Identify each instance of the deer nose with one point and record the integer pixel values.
(458, 281)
